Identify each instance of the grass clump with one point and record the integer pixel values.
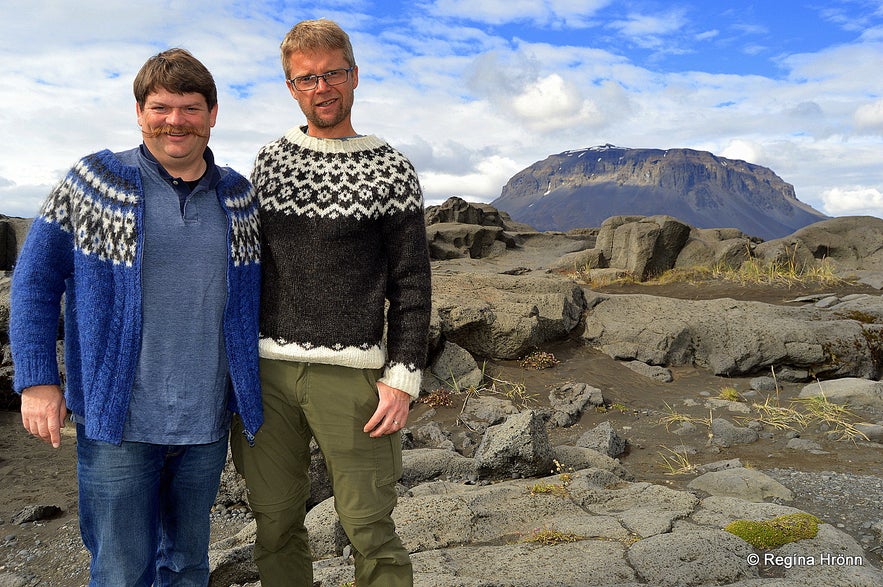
(550, 537)
(676, 463)
(730, 394)
(565, 474)
(772, 534)
(785, 271)
(779, 417)
(803, 413)
(549, 489)
(674, 417)
(515, 392)
(835, 417)
(615, 406)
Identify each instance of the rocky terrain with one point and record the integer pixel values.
(662, 414)
(586, 186)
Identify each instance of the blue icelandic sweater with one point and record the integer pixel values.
(86, 243)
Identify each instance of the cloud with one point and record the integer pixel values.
(487, 177)
(555, 13)
(853, 201)
(649, 31)
(550, 103)
(744, 151)
(23, 201)
(870, 116)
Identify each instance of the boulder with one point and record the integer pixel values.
(741, 483)
(231, 560)
(452, 368)
(726, 434)
(327, 536)
(5, 288)
(569, 400)
(458, 210)
(452, 241)
(649, 247)
(847, 390)
(701, 557)
(604, 439)
(581, 260)
(12, 236)
(709, 248)
(505, 316)
(519, 447)
(731, 337)
(661, 374)
(427, 464)
(645, 246)
(851, 242)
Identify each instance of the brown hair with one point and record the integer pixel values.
(177, 71)
(311, 35)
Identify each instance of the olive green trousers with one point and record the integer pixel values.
(332, 404)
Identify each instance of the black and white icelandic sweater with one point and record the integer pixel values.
(342, 234)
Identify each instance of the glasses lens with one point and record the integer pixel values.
(307, 82)
(332, 78)
(338, 76)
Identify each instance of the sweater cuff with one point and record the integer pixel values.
(401, 377)
(35, 370)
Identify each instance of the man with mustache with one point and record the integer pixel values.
(344, 255)
(156, 251)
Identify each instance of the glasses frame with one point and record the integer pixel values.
(324, 76)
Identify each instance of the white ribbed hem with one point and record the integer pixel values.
(371, 358)
(400, 377)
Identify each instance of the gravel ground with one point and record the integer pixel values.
(847, 501)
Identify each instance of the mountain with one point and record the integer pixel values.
(580, 189)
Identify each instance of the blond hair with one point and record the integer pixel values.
(309, 36)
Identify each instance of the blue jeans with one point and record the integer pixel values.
(144, 510)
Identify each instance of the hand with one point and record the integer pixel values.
(43, 411)
(391, 413)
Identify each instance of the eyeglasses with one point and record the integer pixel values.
(335, 77)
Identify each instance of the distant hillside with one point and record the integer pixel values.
(578, 189)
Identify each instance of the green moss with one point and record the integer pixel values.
(776, 532)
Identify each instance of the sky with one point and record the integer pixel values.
(472, 91)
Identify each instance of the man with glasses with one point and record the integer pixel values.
(156, 251)
(343, 235)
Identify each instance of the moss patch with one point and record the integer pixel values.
(776, 532)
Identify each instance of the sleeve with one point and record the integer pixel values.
(38, 282)
(409, 290)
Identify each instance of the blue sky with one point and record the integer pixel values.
(473, 91)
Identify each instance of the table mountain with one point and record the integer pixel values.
(579, 189)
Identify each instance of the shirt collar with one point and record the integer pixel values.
(211, 175)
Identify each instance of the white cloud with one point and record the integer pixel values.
(870, 116)
(573, 13)
(853, 201)
(549, 103)
(649, 31)
(743, 150)
(488, 177)
(23, 201)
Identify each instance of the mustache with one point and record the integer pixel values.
(176, 130)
